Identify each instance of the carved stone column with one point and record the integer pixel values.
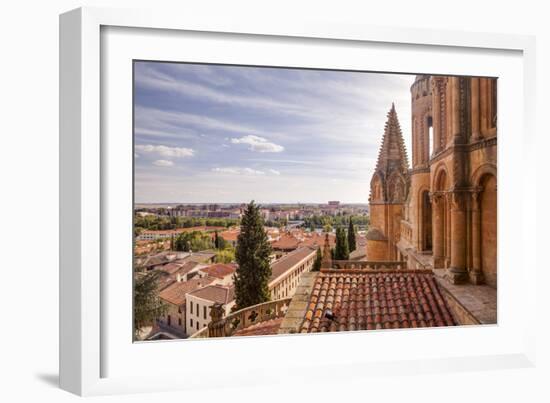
(216, 328)
(455, 108)
(476, 275)
(447, 230)
(438, 214)
(457, 273)
(476, 131)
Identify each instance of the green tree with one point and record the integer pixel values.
(351, 236)
(252, 254)
(193, 241)
(341, 251)
(147, 304)
(225, 256)
(217, 240)
(318, 261)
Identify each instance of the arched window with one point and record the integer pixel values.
(429, 122)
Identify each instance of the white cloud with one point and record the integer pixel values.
(163, 163)
(238, 171)
(274, 171)
(259, 144)
(165, 151)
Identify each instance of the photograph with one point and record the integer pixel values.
(278, 200)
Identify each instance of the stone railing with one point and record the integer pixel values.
(406, 230)
(243, 318)
(368, 265)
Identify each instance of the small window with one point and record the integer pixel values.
(197, 325)
(204, 311)
(191, 323)
(191, 307)
(179, 321)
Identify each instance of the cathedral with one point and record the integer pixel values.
(441, 213)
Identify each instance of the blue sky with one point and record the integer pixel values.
(206, 133)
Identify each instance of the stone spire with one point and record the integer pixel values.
(326, 262)
(393, 153)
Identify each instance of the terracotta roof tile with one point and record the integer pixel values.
(176, 292)
(215, 293)
(261, 329)
(361, 300)
(219, 270)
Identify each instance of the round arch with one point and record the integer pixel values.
(481, 172)
(424, 215)
(440, 175)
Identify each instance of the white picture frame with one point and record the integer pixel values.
(86, 345)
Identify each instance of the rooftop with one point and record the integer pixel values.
(287, 262)
(341, 300)
(219, 270)
(261, 329)
(176, 292)
(215, 293)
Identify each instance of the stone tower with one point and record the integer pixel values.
(388, 193)
(419, 209)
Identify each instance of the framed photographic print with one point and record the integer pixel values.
(267, 192)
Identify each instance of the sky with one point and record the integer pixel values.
(231, 134)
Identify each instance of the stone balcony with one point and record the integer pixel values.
(242, 319)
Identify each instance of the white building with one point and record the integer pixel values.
(286, 271)
(198, 305)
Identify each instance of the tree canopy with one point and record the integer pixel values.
(193, 241)
(147, 304)
(341, 250)
(252, 254)
(351, 236)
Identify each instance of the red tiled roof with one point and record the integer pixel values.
(219, 270)
(230, 235)
(171, 268)
(289, 242)
(286, 242)
(176, 292)
(361, 300)
(270, 326)
(215, 293)
(319, 240)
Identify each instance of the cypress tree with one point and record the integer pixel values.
(341, 251)
(252, 254)
(351, 236)
(318, 261)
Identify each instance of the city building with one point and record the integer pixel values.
(174, 296)
(223, 273)
(286, 271)
(199, 302)
(153, 235)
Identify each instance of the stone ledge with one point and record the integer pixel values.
(473, 304)
(298, 306)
